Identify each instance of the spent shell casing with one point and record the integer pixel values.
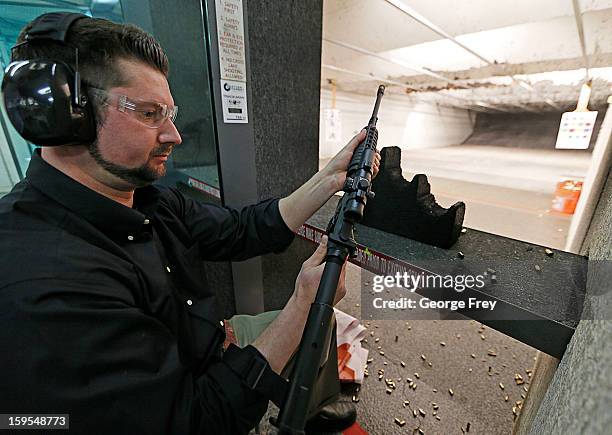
(399, 422)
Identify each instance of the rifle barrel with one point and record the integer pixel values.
(379, 95)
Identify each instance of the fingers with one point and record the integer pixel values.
(356, 140)
(376, 166)
(319, 254)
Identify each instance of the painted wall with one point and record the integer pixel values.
(403, 124)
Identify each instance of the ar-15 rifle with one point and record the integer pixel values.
(341, 244)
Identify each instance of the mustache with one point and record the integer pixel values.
(162, 149)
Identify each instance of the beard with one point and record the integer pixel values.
(140, 176)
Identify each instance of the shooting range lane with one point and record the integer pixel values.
(545, 291)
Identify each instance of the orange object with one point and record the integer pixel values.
(355, 429)
(567, 194)
(345, 373)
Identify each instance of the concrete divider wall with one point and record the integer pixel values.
(579, 398)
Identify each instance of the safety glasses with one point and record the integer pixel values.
(150, 114)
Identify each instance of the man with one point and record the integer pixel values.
(105, 313)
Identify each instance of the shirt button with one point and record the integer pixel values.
(221, 323)
(130, 238)
(168, 269)
(189, 302)
(147, 221)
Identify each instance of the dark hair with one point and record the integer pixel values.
(101, 43)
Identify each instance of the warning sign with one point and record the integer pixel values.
(230, 34)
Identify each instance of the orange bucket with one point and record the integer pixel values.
(567, 194)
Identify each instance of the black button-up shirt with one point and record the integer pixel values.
(105, 313)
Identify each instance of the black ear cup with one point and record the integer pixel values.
(42, 97)
(38, 96)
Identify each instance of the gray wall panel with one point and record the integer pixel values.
(285, 58)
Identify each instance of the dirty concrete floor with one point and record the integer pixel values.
(478, 399)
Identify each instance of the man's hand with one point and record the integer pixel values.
(281, 338)
(335, 170)
(308, 279)
(309, 197)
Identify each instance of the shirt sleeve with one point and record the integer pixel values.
(224, 233)
(110, 366)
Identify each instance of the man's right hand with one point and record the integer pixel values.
(308, 279)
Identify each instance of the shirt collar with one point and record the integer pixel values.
(104, 213)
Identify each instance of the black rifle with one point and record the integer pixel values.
(341, 244)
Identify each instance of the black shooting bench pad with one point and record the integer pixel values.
(540, 308)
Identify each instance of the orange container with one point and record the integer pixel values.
(567, 194)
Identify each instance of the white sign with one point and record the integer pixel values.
(230, 34)
(234, 102)
(575, 130)
(333, 125)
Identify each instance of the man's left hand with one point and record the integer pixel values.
(336, 168)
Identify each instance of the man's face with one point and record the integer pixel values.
(125, 147)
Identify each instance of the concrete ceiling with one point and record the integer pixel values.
(526, 55)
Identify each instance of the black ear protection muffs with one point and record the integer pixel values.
(43, 97)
